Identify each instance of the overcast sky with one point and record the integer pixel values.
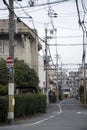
(68, 30)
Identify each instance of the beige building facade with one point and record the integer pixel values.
(26, 43)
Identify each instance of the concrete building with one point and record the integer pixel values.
(83, 77)
(26, 43)
(42, 74)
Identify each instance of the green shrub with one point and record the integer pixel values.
(3, 108)
(29, 104)
(41, 103)
(3, 90)
(25, 105)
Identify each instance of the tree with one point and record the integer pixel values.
(25, 77)
(3, 73)
(3, 77)
(81, 93)
(81, 90)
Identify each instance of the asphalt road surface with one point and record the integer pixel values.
(67, 115)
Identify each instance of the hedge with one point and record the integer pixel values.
(3, 108)
(25, 105)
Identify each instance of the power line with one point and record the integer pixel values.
(84, 7)
(71, 64)
(26, 13)
(22, 21)
(66, 44)
(48, 3)
(70, 36)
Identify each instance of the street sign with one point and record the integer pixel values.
(10, 70)
(9, 61)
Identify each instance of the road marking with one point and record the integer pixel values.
(60, 109)
(38, 122)
(78, 112)
(82, 113)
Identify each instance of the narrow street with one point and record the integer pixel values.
(43, 57)
(68, 115)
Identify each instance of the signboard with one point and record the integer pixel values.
(10, 70)
(9, 61)
(11, 89)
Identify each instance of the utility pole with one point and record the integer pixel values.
(81, 23)
(61, 81)
(57, 87)
(11, 54)
(84, 66)
(74, 78)
(46, 64)
(57, 74)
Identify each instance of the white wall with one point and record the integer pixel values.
(41, 72)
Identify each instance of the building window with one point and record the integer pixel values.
(1, 47)
(4, 47)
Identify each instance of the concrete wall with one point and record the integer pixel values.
(25, 43)
(41, 72)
